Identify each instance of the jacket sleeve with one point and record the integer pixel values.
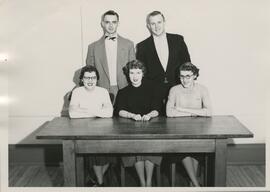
(140, 53)
(131, 53)
(90, 58)
(184, 50)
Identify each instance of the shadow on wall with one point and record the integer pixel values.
(67, 97)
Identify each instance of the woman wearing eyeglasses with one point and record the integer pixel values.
(189, 99)
(89, 100)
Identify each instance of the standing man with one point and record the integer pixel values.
(110, 54)
(162, 53)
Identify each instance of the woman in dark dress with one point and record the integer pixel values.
(139, 101)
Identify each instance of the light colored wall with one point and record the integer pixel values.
(47, 42)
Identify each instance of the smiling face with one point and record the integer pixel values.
(156, 25)
(110, 24)
(89, 80)
(135, 76)
(187, 78)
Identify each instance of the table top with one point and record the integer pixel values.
(156, 128)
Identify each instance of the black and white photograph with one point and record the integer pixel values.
(134, 95)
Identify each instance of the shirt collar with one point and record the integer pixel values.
(163, 36)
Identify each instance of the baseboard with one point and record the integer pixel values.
(44, 154)
(51, 154)
(246, 154)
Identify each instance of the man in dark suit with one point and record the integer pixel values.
(110, 54)
(162, 53)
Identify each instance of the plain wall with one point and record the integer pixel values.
(46, 42)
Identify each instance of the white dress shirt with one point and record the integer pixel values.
(111, 53)
(162, 48)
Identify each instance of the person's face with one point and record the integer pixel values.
(89, 80)
(110, 24)
(187, 78)
(135, 76)
(156, 25)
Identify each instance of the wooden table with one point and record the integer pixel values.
(159, 135)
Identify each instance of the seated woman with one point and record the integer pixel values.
(89, 100)
(139, 101)
(189, 99)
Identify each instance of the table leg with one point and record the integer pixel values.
(220, 163)
(173, 172)
(210, 182)
(123, 175)
(69, 163)
(158, 175)
(80, 171)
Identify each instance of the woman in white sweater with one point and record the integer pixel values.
(189, 99)
(88, 101)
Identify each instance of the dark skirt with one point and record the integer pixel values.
(129, 161)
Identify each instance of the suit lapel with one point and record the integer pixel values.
(119, 60)
(103, 56)
(119, 48)
(170, 47)
(154, 52)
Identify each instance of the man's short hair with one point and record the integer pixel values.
(110, 12)
(154, 13)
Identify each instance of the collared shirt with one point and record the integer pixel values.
(111, 53)
(162, 48)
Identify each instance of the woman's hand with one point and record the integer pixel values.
(146, 117)
(137, 117)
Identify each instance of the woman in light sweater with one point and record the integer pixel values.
(88, 101)
(189, 99)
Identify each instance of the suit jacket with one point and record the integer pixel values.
(178, 54)
(96, 56)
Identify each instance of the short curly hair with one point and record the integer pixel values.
(90, 69)
(188, 66)
(134, 64)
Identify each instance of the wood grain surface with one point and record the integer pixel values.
(158, 128)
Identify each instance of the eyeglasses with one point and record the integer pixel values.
(186, 76)
(90, 78)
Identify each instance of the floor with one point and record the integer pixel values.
(52, 176)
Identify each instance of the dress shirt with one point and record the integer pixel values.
(111, 53)
(162, 48)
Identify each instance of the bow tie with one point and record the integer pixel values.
(110, 38)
